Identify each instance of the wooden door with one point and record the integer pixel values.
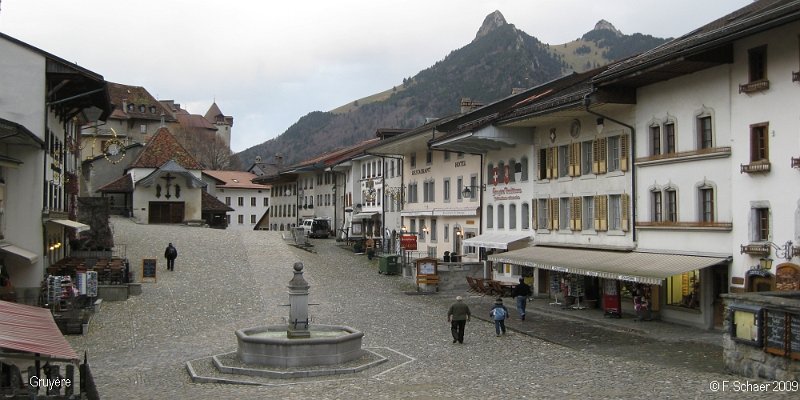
(162, 212)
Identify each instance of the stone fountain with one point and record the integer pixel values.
(298, 343)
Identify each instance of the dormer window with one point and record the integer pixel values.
(152, 109)
(130, 107)
(141, 108)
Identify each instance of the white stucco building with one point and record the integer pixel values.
(249, 201)
(39, 132)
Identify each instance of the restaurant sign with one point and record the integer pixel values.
(408, 242)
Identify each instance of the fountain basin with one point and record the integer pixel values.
(270, 345)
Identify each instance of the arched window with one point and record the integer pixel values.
(526, 216)
(523, 164)
(501, 210)
(500, 170)
(512, 216)
(512, 165)
(490, 172)
(490, 216)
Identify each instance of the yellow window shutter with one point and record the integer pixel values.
(574, 159)
(576, 213)
(603, 213)
(535, 214)
(550, 163)
(549, 203)
(554, 213)
(603, 150)
(596, 200)
(625, 200)
(623, 150)
(554, 164)
(596, 156)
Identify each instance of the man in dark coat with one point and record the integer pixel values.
(458, 315)
(521, 293)
(171, 254)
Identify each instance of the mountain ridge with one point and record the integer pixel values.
(498, 60)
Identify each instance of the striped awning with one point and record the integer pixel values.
(32, 330)
(633, 266)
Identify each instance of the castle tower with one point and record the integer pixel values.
(224, 123)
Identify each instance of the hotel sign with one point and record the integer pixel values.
(420, 171)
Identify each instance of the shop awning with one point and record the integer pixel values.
(70, 224)
(364, 215)
(649, 268)
(496, 240)
(19, 252)
(32, 330)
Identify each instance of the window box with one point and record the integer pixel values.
(753, 87)
(755, 249)
(756, 167)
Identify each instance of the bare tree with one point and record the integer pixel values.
(206, 147)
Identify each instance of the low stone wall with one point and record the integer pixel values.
(751, 358)
(453, 276)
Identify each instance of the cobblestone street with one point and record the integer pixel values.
(228, 280)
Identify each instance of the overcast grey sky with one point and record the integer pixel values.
(269, 63)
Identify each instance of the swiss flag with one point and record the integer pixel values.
(494, 176)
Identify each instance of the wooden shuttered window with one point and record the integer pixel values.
(575, 213)
(534, 214)
(552, 224)
(552, 163)
(623, 152)
(624, 211)
(600, 156)
(601, 213)
(575, 159)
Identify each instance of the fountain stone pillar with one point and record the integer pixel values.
(298, 305)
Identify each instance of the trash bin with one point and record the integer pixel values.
(388, 265)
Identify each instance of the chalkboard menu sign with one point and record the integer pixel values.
(149, 269)
(775, 332)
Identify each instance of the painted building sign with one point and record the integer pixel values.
(420, 171)
(506, 193)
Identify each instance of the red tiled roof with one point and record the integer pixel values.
(235, 179)
(122, 185)
(161, 148)
(32, 330)
(210, 203)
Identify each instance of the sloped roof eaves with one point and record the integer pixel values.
(235, 179)
(327, 159)
(412, 135)
(32, 330)
(564, 100)
(753, 18)
(123, 184)
(211, 203)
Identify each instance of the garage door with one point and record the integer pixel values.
(162, 212)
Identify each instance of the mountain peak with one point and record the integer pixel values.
(490, 23)
(605, 25)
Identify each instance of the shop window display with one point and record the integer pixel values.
(684, 290)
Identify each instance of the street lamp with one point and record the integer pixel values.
(467, 192)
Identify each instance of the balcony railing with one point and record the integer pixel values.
(756, 167)
(756, 86)
(755, 249)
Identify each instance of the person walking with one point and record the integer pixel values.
(521, 293)
(171, 253)
(457, 316)
(499, 313)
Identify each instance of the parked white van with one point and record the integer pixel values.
(317, 227)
